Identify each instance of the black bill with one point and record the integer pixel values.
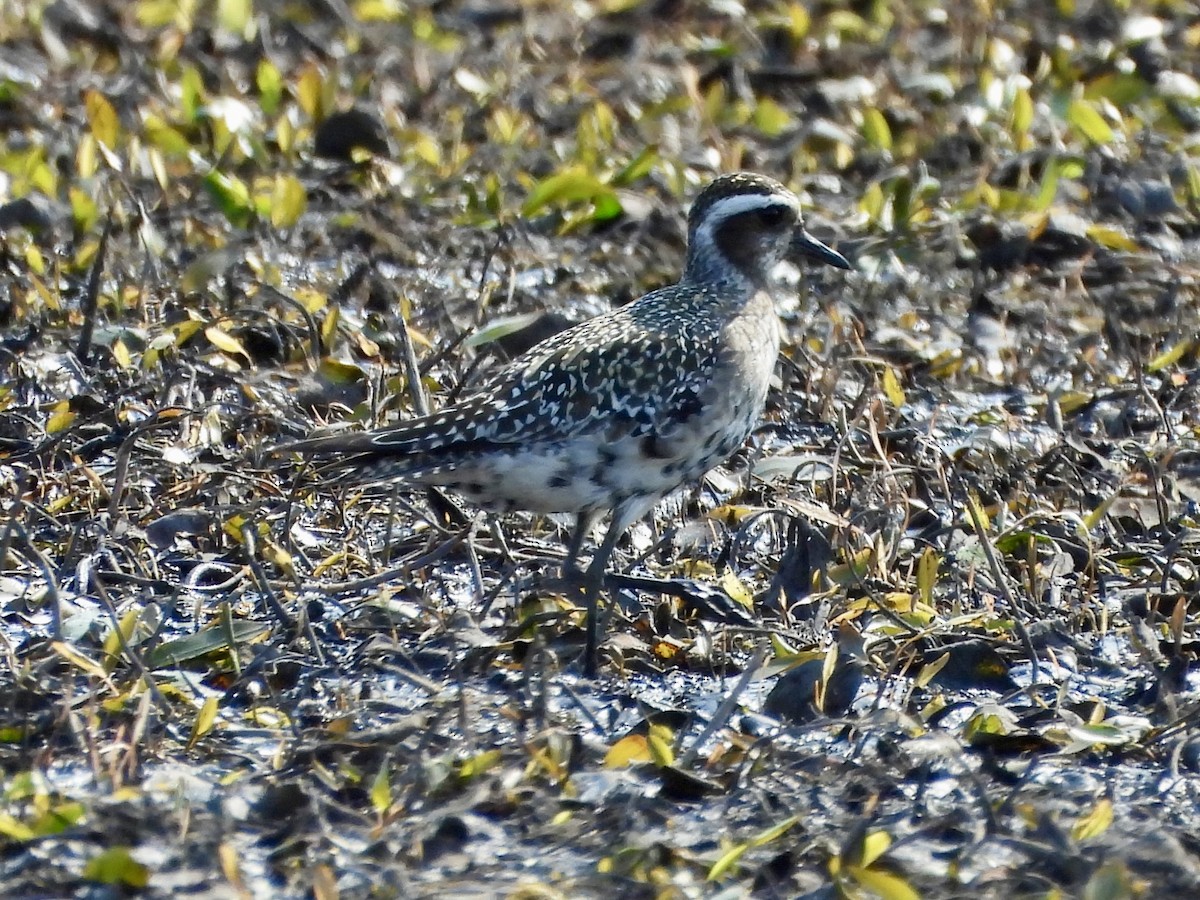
(805, 244)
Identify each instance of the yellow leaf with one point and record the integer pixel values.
(205, 719)
(78, 659)
(1171, 355)
(1022, 113)
(732, 513)
(1112, 238)
(163, 136)
(980, 513)
(329, 328)
(770, 118)
(121, 354)
(874, 845)
(61, 418)
(1095, 823)
(227, 858)
(798, 21)
(737, 591)
(766, 836)
(726, 861)
(337, 372)
(310, 93)
(124, 630)
(929, 672)
(927, 570)
(288, 201)
(84, 211)
(891, 387)
(225, 342)
(479, 763)
(1096, 516)
(381, 790)
(102, 118)
(884, 885)
(631, 749)
(35, 261)
(14, 829)
(854, 571)
(658, 741)
(1070, 401)
(87, 156)
(185, 331)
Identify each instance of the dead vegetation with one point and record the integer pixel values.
(933, 631)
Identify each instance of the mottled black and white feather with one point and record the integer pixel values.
(623, 408)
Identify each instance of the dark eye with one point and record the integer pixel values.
(772, 216)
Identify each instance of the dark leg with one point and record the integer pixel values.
(593, 583)
(583, 524)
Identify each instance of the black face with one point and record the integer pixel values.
(756, 239)
(773, 218)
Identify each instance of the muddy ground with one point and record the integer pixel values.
(931, 633)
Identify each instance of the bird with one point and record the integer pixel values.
(616, 412)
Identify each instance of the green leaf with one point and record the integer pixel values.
(59, 818)
(340, 373)
(606, 207)
(116, 865)
(1119, 88)
(501, 328)
(381, 790)
(232, 197)
(571, 185)
(1088, 121)
(270, 87)
(733, 854)
(211, 640)
(236, 16)
(770, 118)
(191, 94)
(1022, 113)
(876, 129)
(638, 167)
(166, 138)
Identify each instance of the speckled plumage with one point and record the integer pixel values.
(618, 411)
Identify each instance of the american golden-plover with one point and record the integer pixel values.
(613, 414)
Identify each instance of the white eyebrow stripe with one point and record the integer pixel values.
(734, 205)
